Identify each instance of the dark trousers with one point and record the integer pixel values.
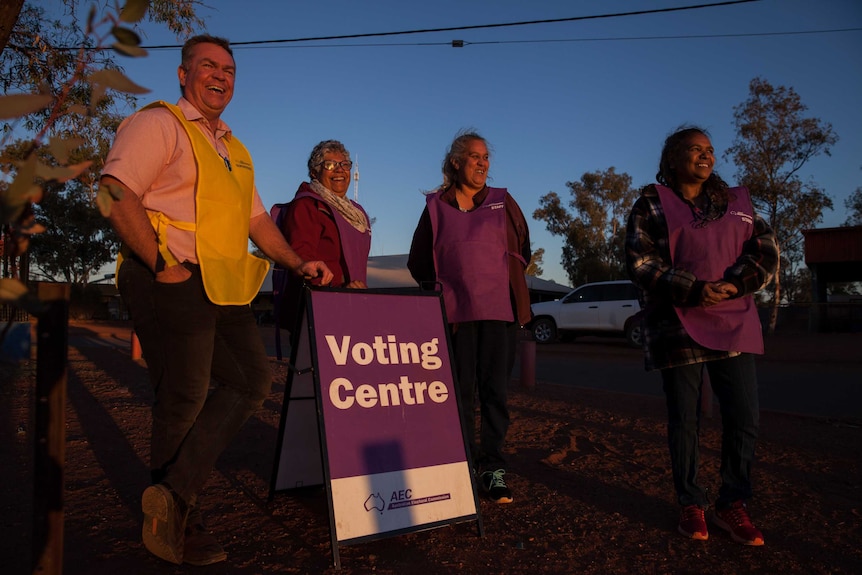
(481, 358)
(734, 381)
(189, 343)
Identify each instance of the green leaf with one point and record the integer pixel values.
(61, 174)
(114, 190)
(134, 10)
(18, 105)
(60, 146)
(20, 190)
(33, 228)
(79, 109)
(11, 289)
(126, 36)
(104, 199)
(78, 169)
(116, 80)
(131, 51)
(97, 95)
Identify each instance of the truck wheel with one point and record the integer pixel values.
(544, 330)
(634, 334)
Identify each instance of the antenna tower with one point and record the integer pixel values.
(356, 180)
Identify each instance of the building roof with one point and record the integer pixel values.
(391, 272)
(834, 254)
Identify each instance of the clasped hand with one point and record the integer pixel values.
(716, 292)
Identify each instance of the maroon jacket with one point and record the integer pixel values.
(309, 226)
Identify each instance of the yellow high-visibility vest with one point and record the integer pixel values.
(223, 200)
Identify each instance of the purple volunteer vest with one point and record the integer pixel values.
(732, 325)
(471, 259)
(355, 245)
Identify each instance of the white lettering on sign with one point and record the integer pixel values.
(388, 352)
(343, 395)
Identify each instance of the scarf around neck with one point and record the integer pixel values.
(343, 206)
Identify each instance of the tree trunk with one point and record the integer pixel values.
(9, 11)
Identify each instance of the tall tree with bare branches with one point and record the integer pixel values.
(774, 140)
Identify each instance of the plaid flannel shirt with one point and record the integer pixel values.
(648, 261)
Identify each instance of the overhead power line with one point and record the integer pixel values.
(476, 27)
(462, 43)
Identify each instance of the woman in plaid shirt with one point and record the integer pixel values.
(698, 253)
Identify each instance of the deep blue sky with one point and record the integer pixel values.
(552, 110)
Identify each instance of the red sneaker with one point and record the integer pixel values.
(735, 520)
(692, 523)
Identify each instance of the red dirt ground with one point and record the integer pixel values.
(589, 472)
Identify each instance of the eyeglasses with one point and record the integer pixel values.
(330, 165)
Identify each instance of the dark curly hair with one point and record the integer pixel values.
(673, 146)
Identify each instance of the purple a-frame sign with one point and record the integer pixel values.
(371, 411)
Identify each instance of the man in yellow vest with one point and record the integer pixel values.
(188, 209)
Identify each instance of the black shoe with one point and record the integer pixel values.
(200, 547)
(495, 486)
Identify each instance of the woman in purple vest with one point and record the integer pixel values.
(698, 252)
(473, 240)
(321, 220)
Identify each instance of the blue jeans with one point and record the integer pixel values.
(481, 350)
(189, 342)
(734, 382)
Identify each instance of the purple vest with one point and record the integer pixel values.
(471, 259)
(355, 245)
(732, 325)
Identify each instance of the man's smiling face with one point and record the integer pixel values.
(207, 79)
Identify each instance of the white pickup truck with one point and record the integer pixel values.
(600, 308)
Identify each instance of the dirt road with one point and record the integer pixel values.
(588, 468)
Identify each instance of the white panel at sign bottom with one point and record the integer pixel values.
(370, 504)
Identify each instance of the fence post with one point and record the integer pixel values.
(528, 363)
(52, 337)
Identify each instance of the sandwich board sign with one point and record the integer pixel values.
(371, 412)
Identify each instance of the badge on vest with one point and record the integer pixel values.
(748, 219)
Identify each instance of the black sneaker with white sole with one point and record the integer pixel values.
(495, 486)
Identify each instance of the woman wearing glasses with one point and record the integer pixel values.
(323, 221)
(698, 253)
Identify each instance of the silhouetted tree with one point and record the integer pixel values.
(853, 203)
(773, 141)
(594, 231)
(534, 268)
